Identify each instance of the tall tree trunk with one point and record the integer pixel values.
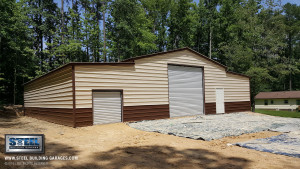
(42, 46)
(289, 45)
(290, 58)
(39, 36)
(210, 40)
(97, 54)
(62, 27)
(290, 81)
(50, 49)
(15, 79)
(119, 55)
(104, 36)
(87, 42)
(73, 32)
(0, 46)
(87, 48)
(62, 21)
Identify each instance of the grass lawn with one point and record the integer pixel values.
(279, 113)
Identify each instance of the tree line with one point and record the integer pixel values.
(259, 38)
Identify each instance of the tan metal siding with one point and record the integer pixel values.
(51, 91)
(236, 88)
(146, 82)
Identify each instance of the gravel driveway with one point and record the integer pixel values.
(210, 127)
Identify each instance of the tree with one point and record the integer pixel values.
(257, 37)
(157, 12)
(129, 30)
(16, 55)
(42, 16)
(292, 25)
(201, 33)
(260, 80)
(181, 24)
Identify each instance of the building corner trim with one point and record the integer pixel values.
(73, 94)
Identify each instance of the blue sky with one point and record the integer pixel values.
(291, 1)
(282, 2)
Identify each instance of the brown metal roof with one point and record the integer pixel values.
(278, 95)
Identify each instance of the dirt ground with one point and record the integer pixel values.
(119, 146)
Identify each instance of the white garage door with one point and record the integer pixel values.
(107, 107)
(185, 90)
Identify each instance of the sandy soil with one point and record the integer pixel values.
(119, 146)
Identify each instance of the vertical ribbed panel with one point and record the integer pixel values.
(107, 107)
(185, 90)
(220, 101)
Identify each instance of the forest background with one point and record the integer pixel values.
(258, 38)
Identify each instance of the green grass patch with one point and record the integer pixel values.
(292, 114)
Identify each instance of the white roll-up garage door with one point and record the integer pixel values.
(107, 107)
(185, 90)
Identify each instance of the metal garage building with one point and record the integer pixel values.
(175, 83)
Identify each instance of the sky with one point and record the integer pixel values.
(283, 2)
(291, 1)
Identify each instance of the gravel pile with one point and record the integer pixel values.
(210, 127)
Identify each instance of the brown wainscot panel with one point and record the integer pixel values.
(210, 108)
(242, 106)
(54, 115)
(145, 112)
(84, 117)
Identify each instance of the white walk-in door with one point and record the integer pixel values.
(185, 90)
(220, 101)
(107, 107)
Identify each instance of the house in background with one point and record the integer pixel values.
(284, 100)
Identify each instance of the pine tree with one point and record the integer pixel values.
(157, 12)
(129, 30)
(181, 24)
(16, 55)
(292, 50)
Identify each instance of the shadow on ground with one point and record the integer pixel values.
(8, 119)
(161, 157)
(126, 157)
(11, 123)
(135, 157)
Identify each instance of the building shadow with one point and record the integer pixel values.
(161, 157)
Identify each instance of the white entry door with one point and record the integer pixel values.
(107, 107)
(185, 90)
(220, 101)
